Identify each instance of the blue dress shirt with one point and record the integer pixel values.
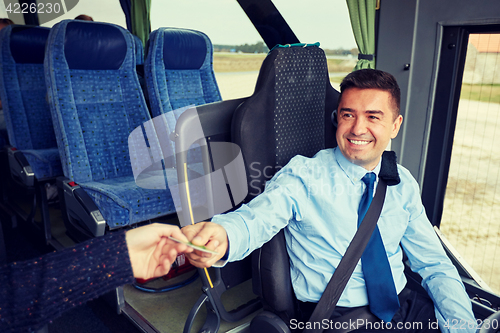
(316, 200)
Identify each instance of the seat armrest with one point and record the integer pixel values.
(81, 208)
(268, 322)
(275, 282)
(20, 169)
(215, 119)
(490, 324)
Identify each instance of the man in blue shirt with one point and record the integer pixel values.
(316, 201)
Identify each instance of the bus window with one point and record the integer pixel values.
(471, 211)
(102, 11)
(238, 48)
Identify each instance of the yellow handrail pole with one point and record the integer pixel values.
(191, 215)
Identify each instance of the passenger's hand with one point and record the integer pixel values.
(151, 251)
(210, 235)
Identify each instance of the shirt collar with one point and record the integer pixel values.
(353, 172)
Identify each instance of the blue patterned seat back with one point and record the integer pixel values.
(96, 99)
(179, 70)
(24, 98)
(23, 93)
(96, 102)
(139, 51)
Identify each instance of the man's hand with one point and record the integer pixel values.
(210, 235)
(151, 251)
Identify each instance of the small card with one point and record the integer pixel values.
(196, 247)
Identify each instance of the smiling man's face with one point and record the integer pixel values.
(366, 124)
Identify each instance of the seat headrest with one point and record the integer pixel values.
(94, 46)
(183, 49)
(288, 114)
(27, 44)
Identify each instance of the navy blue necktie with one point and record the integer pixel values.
(380, 287)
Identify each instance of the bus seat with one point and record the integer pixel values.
(293, 85)
(139, 51)
(23, 93)
(96, 102)
(179, 70)
(139, 66)
(288, 114)
(32, 155)
(179, 73)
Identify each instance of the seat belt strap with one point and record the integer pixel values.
(342, 274)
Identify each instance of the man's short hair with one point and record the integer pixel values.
(6, 21)
(84, 17)
(373, 79)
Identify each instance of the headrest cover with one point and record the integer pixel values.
(183, 49)
(94, 46)
(27, 44)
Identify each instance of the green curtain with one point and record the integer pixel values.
(140, 20)
(362, 13)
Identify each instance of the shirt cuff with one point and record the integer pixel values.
(223, 261)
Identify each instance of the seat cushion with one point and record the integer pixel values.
(44, 162)
(121, 201)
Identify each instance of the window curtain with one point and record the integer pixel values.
(140, 19)
(126, 7)
(362, 14)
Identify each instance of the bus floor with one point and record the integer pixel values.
(158, 312)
